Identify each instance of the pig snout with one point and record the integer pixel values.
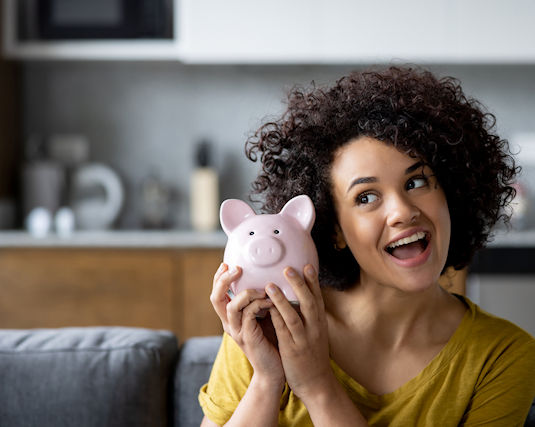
(265, 251)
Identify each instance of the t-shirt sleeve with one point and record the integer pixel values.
(229, 380)
(506, 388)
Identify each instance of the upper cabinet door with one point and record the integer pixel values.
(358, 31)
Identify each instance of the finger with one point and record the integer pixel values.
(222, 268)
(234, 309)
(312, 280)
(219, 284)
(281, 331)
(250, 315)
(291, 318)
(219, 297)
(307, 300)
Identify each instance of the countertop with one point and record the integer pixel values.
(183, 239)
(117, 239)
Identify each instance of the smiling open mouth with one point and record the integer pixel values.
(409, 247)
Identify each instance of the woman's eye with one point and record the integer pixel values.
(365, 198)
(417, 182)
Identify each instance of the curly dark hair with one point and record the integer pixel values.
(421, 115)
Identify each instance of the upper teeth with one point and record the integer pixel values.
(406, 240)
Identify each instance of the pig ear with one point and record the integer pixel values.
(301, 209)
(232, 213)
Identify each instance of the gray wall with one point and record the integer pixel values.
(146, 116)
(143, 117)
(507, 296)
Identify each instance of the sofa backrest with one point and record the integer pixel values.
(197, 356)
(86, 377)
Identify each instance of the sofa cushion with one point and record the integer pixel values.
(196, 358)
(86, 377)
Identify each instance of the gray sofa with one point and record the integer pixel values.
(107, 376)
(89, 377)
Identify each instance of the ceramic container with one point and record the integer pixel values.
(263, 245)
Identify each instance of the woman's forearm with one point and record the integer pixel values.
(331, 406)
(260, 404)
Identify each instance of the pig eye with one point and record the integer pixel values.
(251, 233)
(276, 231)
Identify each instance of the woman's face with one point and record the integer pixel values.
(392, 213)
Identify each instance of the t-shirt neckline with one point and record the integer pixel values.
(439, 362)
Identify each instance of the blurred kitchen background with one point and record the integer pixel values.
(121, 133)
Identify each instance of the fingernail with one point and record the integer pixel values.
(309, 270)
(233, 270)
(271, 290)
(290, 272)
(221, 267)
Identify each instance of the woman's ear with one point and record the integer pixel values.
(339, 239)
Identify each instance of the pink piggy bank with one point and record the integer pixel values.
(263, 245)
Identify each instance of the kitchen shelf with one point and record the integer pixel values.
(102, 50)
(117, 239)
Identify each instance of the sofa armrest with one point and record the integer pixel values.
(197, 356)
(86, 376)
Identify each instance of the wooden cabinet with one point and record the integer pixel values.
(161, 289)
(198, 268)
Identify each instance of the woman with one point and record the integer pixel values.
(407, 179)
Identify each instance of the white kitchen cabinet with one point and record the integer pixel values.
(349, 31)
(321, 31)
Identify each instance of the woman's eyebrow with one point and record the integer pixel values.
(371, 179)
(415, 166)
(363, 180)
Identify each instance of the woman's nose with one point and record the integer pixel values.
(401, 211)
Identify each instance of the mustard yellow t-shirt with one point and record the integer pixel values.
(485, 375)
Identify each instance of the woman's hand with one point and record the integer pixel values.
(302, 336)
(239, 319)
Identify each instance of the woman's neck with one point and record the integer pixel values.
(393, 318)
